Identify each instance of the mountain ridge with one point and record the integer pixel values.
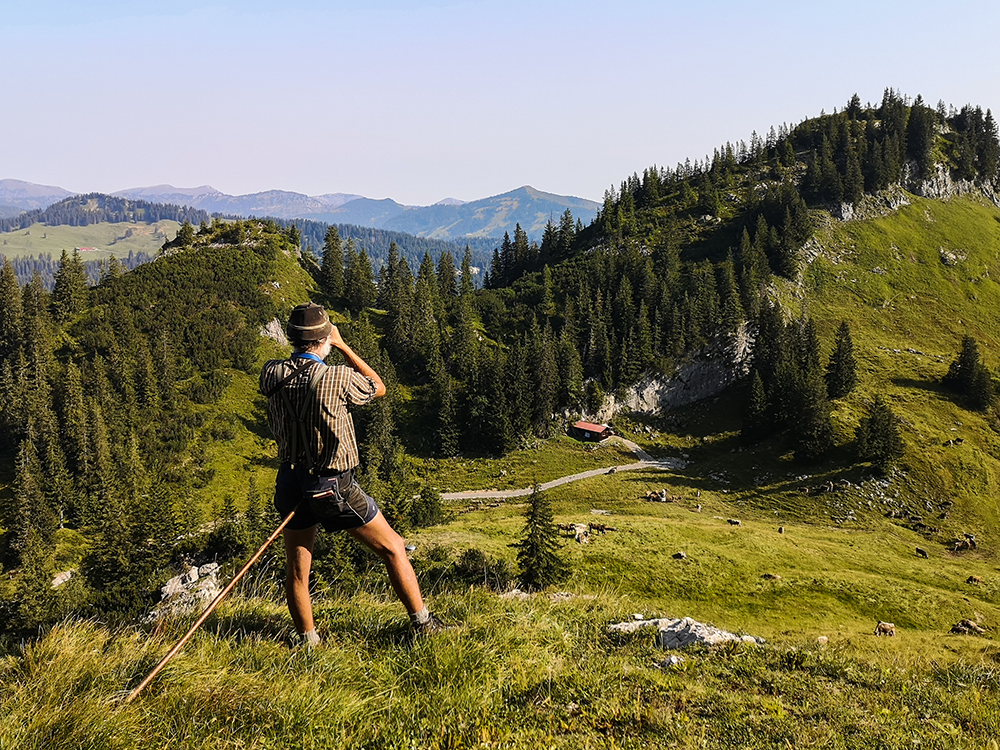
(448, 219)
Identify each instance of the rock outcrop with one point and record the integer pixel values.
(682, 633)
(706, 374)
(190, 591)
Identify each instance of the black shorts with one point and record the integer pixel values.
(295, 487)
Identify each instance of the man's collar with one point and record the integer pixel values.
(307, 355)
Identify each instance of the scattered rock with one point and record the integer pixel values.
(671, 661)
(822, 640)
(188, 592)
(685, 632)
(61, 578)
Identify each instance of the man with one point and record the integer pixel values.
(318, 454)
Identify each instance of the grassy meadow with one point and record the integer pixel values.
(106, 239)
(809, 569)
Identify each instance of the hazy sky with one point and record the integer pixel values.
(424, 100)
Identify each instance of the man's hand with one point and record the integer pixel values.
(336, 340)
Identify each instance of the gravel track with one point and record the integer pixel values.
(645, 462)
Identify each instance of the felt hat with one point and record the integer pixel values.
(308, 322)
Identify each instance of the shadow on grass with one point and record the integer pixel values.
(930, 386)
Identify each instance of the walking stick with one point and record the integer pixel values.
(208, 610)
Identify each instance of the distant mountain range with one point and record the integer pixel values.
(449, 219)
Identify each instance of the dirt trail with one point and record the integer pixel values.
(645, 462)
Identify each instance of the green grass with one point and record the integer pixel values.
(107, 239)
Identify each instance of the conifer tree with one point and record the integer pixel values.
(35, 599)
(359, 280)
(545, 385)
(33, 514)
(10, 311)
(69, 294)
(446, 433)
(570, 370)
(962, 371)
(877, 438)
(755, 418)
(447, 278)
(538, 559)
(331, 277)
(841, 372)
(467, 283)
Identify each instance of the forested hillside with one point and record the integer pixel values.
(93, 208)
(137, 395)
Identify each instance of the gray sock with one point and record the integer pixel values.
(418, 618)
(311, 638)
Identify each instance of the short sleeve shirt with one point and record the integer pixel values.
(328, 423)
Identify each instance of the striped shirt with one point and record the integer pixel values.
(328, 423)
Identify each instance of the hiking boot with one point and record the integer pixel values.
(431, 626)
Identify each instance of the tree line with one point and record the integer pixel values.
(47, 269)
(94, 208)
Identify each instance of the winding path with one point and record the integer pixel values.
(645, 462)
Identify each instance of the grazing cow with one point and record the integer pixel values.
(679, 556)
(885, 628)
(781, 529)
(734, 522)
(922, 553)
(974, 580)
(771, 577)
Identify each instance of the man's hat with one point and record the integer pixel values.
(308, 322)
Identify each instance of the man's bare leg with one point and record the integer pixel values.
(298, 560)
(380, 538)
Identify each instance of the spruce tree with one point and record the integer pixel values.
(69, 294)
(538, 560)
(10, 311)
(755, 417)
(877, 438)
(447, 278)
(467, 283)
(970, 377)
(331, 276)
(446, 434)
(841, 372)
(359, 280)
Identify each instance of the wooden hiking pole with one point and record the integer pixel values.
(208, 610)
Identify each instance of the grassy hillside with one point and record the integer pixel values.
(106, 239)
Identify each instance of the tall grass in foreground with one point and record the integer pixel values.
(518, 674)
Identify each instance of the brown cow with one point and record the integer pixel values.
(974, 580)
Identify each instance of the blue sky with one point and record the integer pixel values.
(419, 101)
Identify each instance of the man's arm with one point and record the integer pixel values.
(355, 362)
